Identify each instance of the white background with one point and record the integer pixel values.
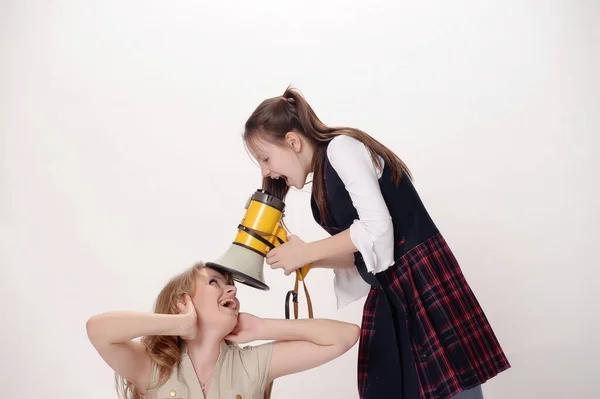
(122, 164)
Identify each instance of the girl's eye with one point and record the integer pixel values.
(213, 280)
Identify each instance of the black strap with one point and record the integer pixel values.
(256, 235)
(287, 302)
(294, 294)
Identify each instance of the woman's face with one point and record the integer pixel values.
(215, 301)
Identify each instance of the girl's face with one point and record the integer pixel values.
(215, 301)
(290, 160)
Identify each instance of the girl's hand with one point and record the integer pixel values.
(190, 323)
(289, 256)
(249, 328)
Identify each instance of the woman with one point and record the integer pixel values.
(424, 334)
(188, 347)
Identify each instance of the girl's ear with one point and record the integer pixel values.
(294, 141)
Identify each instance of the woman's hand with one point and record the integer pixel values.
(289, 256)
(249, 328)
(190, 324)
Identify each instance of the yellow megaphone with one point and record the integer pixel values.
(259, 231)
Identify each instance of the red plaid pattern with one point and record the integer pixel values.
(452, 342)
(367, 331)
(424, 334)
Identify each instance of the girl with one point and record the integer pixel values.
(424, 334)
(188, 350)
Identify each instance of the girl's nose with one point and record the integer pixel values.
(265, 171)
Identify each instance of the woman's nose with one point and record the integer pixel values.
(231, 289)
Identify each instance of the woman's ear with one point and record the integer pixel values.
(294, 141)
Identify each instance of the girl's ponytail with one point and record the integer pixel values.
(277, 116)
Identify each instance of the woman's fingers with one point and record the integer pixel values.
(185, 304)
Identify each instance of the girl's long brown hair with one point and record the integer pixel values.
(277, 116)
(165, 351)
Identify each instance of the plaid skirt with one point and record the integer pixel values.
(424, 334)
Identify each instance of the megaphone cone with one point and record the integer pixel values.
(245, 266)
(259, 232)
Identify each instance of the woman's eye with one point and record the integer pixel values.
(212, 280)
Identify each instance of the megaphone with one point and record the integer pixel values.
(259, 231)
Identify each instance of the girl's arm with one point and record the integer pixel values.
(373, 233)
(336, 252)
(340, 261)
(299, 344)
(113, 334)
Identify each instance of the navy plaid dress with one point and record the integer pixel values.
(423, 334)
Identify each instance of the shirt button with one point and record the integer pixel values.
(238, 396)
(173, 393)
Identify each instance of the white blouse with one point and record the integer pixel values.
(372, 233)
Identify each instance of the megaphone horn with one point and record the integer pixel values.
(259, 231)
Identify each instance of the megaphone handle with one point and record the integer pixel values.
(304, 271)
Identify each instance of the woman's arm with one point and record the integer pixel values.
(299, 344)
(112, 335)
(304, 344)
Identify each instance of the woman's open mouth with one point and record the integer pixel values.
(228, 303)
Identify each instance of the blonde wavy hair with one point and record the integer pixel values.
(165, 351)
